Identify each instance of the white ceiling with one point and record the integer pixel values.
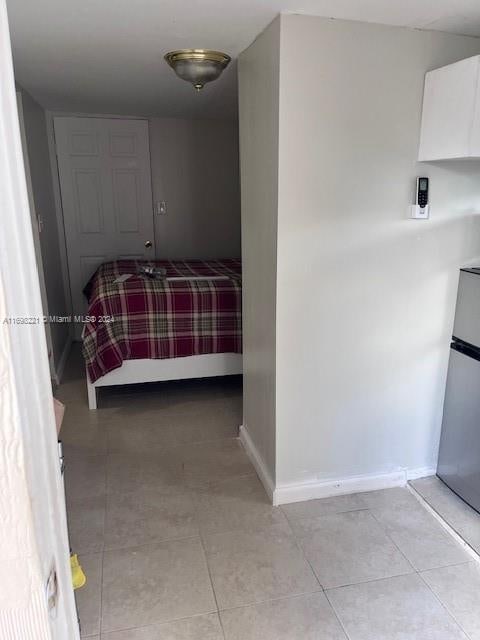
(106, 56)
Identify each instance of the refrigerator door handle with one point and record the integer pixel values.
(469, 350)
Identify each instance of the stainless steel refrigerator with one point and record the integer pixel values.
(459, 457)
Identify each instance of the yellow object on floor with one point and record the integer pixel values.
(78, 577)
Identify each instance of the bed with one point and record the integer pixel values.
(185, 325)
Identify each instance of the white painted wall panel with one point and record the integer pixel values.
(365, 297)
(258, 88)
(195, 170)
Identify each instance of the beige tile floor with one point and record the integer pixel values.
(179, 542)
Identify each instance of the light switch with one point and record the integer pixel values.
(161, 208)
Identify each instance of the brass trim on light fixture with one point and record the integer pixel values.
(197, 66)
(197, 54)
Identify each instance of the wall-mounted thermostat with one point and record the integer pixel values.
(420, 210)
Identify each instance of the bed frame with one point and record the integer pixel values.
(137, 371)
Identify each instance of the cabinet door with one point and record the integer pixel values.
(448, 111)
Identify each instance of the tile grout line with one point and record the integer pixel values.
(267, 600)
(103, 548)
(152, 542)
(442, 604)
(445, 525)
(208, 613)
(320, 515)
(416, 571)
(383, 528)
(207, 484)
(154, 624)
(337, 616)
(385, 531)
(351, 584)
(173, 448)
(323, 590)
(256, 603)
(302, 551)
(212, 585)
(205, 558)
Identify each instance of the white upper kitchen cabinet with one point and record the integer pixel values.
(451, 112)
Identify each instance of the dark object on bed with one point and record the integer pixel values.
(151, 271)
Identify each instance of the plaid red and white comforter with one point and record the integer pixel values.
(144, 318)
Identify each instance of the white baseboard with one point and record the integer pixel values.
(299, 492)
(63, 360)
(258, 462)
(284, 494)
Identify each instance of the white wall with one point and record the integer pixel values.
(42, 185)
(195, 170)
(258, 88)
(365, 297)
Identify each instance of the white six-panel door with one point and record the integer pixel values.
(105, 182)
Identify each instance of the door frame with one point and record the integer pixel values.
(34, 506)
(36, 236)
(50, 116)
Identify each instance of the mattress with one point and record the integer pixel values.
(131, 316)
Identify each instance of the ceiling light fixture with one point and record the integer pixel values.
(197, 66)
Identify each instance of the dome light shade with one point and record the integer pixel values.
(197, 66)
